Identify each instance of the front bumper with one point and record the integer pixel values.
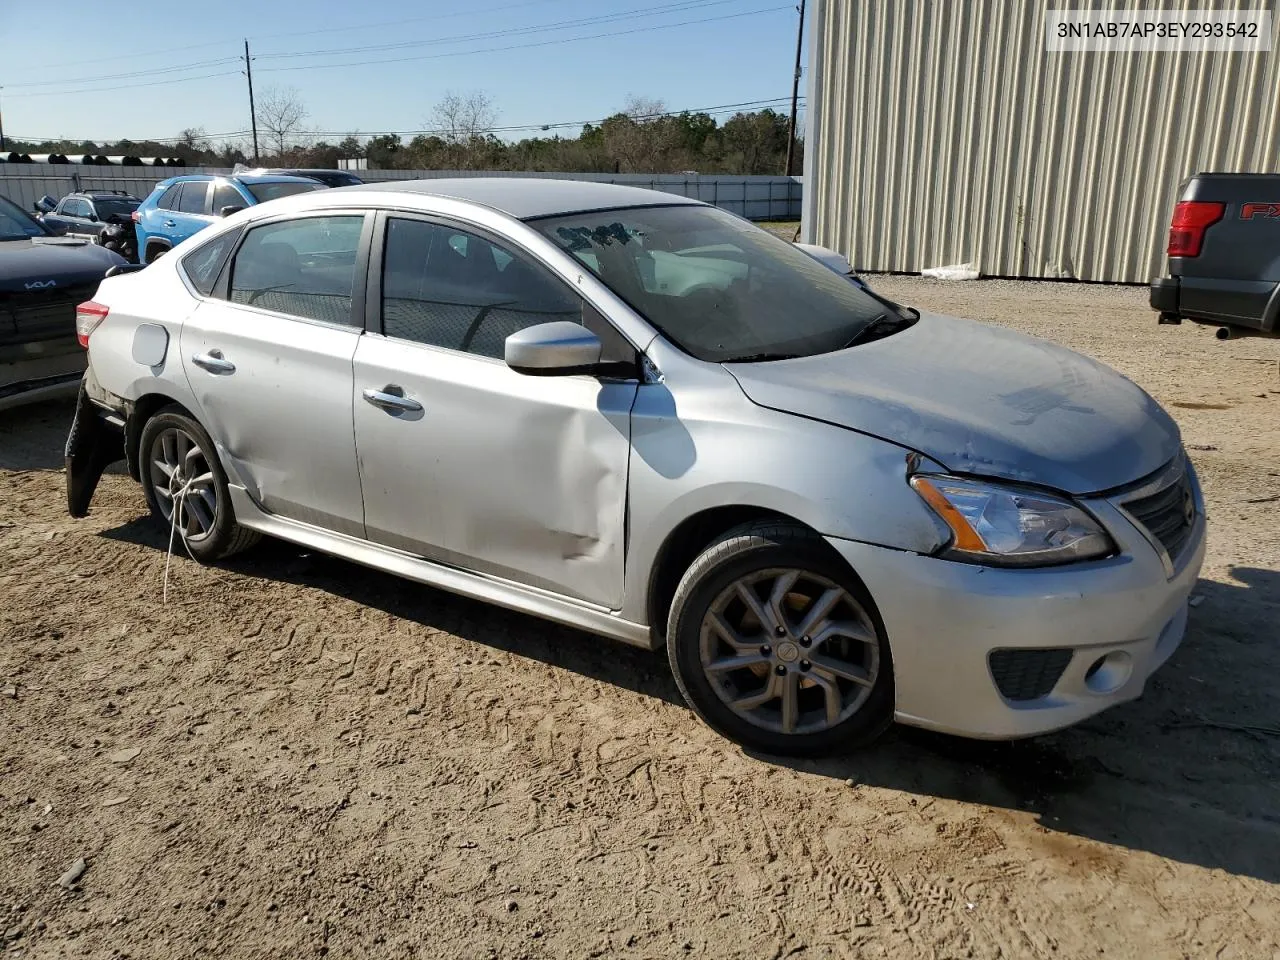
(944, 620)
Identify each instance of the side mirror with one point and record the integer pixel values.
(228, 211)
(553, 350)
(93, 218)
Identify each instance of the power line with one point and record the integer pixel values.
(396, 23)
(206, 136)
(526, 46)
(302, 33)
(135, 56)
(130, 86)
(125, 76)
(713, 110)
(559, 125)
(678, 7)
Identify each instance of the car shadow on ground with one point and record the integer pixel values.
(32, 436)
(1149, 776)
(613, 663)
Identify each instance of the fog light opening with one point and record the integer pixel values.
(1109, 673)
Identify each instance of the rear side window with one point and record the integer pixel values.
(203, 264)
(195, 196)
(225, 195)
(169, 200)
(304, 267)
(449, 288)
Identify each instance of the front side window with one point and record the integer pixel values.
(304, 267)
(194, 199)
(448, 288)
(262, 192)
(718, 287)
(76, 208)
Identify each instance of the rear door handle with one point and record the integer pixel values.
(170, 223)
(392, 402)
(214, 362)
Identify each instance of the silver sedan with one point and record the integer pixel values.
(644, 417)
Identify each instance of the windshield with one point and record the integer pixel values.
(262, 192)
(15, 224)
(108, 208)
(719, 287)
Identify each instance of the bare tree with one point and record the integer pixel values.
(461, 116)
(641, 109)
(641, 136)
(281, 114)
(194, 139)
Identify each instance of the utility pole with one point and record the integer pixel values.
(795, 93)
(253, 113)
(1, 127)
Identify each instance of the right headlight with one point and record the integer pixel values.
(996, 524)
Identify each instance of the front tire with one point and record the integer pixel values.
(181, 474)
(778, 646)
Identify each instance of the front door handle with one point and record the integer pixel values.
(392, 402)
(214, 362)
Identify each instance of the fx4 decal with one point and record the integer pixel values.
(1267, 211)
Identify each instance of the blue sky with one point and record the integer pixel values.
(742, 51)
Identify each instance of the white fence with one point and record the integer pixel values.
(756, 198)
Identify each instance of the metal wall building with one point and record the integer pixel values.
(942, 132)
(755, 197)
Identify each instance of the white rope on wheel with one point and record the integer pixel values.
(179, 501)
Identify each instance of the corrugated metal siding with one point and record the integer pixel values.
(941, 132)
(756, 198)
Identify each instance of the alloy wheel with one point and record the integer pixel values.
(789, 651)
(180, 474)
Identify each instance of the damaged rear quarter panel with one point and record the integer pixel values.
(131, 304)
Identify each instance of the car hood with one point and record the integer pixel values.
(980, 400)
(51, 262)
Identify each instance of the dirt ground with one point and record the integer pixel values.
(298, 757)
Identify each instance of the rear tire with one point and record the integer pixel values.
(176, 454)
(155, 251)
(778, 646)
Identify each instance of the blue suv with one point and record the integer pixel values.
(181, 207)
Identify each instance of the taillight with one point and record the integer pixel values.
(1191, 218)
(136, 217)
(88, 316)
